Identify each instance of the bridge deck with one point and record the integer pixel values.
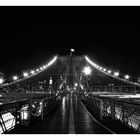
(70, 117)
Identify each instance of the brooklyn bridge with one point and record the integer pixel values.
(70, 95)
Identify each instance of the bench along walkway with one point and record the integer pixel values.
(70, 117)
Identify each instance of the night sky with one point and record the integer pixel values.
(30, 36)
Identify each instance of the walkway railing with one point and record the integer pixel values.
(25, 111)
(126, 111)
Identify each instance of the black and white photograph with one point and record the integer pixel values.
(69, 70)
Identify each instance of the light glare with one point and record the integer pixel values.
(87, 70)
(15, 77)
(76, 84)
(127, 77)
(32, 71)
(25, 74)
(1, 80)
(109, 71)
(116, 73)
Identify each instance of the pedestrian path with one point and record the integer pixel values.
(70, 117)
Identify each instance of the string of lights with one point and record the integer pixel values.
(31, 73)
(27, 75)
(115, 75)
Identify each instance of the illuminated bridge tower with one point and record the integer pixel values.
(72, 69)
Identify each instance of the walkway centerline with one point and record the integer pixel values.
(71, 117)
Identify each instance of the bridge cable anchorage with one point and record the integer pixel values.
(33, 73)
(104, 71)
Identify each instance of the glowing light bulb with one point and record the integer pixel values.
(25, 74)
(116, 73)
(15, 78)
(32, 71)
(127, 77)
(109, 71)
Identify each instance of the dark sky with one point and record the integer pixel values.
(29, 36)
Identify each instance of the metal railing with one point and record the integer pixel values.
(23, 112)
(115, 89)
(126, 111)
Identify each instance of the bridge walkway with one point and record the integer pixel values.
(70, 117)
